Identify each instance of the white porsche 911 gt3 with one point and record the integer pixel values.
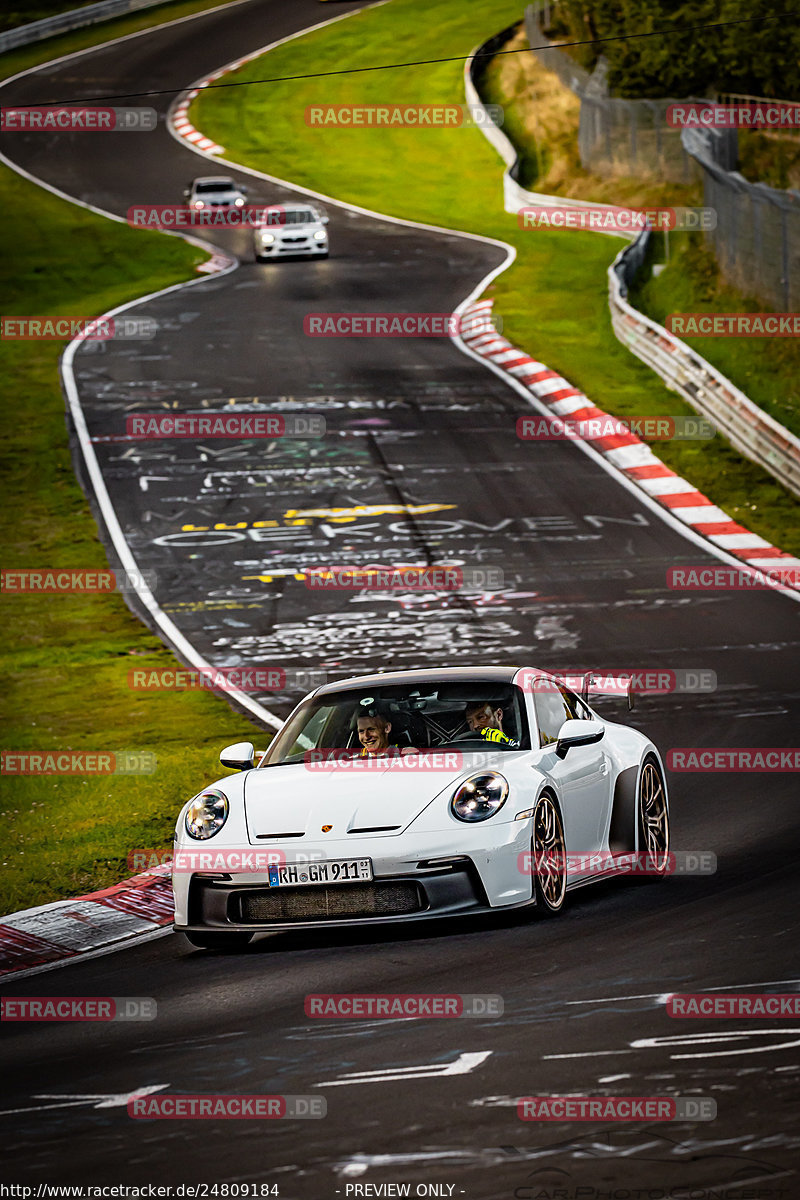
(419, 794)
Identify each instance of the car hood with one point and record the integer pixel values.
(295, 799)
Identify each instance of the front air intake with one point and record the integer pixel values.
(329, 903)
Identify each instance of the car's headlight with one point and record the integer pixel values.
(320, 235)
(206, 814)
(267, 238)
(198, 204)
(239, 202)
(479, 797)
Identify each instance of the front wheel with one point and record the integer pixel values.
(549, 857)
(653, 815)
(219, 941)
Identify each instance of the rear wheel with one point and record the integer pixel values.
(653, 817)
(219, 941)
(549, 857)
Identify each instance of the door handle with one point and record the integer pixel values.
(604, 767)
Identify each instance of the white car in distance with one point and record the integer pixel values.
(291, 230)
(214, 191)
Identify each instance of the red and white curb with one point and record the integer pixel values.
(217, 262)
(623, 450)
(178, 119)
(37, 938)
(184, 128)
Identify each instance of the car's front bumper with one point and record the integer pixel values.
(301, 249)
(482, 874)
(229, 905)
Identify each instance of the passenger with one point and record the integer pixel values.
(373, 733)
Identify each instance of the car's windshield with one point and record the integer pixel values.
(216, 185)
(423, 716)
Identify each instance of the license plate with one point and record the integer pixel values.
(347, 870)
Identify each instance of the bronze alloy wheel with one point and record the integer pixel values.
(653, 819)
(549, 857)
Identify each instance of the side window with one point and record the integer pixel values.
(553, 708)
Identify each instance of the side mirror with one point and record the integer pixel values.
(578, 733)
(325, 219)
(239, 757)
(243, 188)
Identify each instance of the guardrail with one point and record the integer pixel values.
(753, 432)
(515, 196)
(76, 18)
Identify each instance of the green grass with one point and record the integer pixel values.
(65, 659)
(554, 299)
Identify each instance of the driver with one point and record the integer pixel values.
(487, 722)
(373, 733)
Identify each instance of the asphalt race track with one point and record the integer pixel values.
(411, 422)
